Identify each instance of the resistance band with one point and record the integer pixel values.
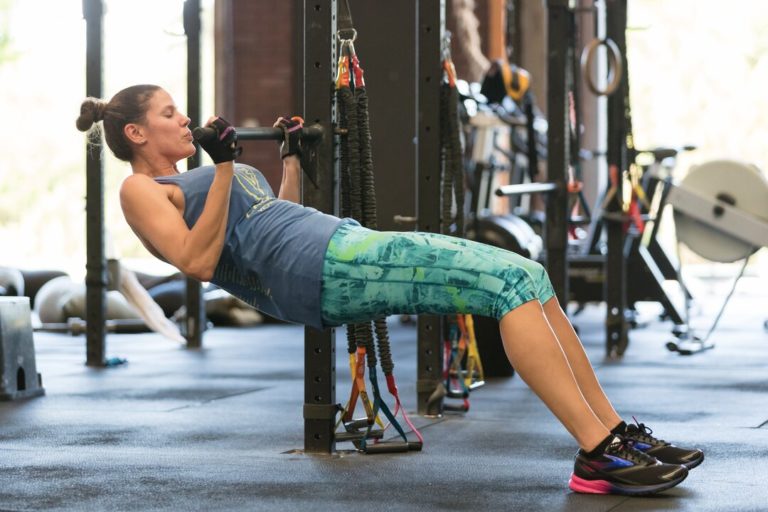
(475, 377)
(359, 202)
(451, 160)
(453, 371)
(458, 378)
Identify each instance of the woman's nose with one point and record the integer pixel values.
(186, 122)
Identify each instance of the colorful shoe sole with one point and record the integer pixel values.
(582, 485)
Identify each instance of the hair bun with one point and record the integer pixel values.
(91, 111)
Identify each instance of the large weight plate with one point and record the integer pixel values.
(742, 182)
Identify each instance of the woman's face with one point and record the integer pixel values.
(166, 129)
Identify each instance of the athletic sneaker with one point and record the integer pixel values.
(621, 469)
(642, 440)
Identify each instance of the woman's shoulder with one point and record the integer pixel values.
(135, 181)
(137, 185)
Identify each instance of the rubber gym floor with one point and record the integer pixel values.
(221, 428)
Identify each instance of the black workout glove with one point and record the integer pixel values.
(219, 140)
(291, 144)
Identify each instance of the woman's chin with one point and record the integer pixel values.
(189, 152)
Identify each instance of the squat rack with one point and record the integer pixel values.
(616, 326)
(315, 62)
(96, 265)
(316, 26)
(615, 290)
(430, 23)
(195, 322)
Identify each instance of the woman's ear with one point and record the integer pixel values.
(134, 133)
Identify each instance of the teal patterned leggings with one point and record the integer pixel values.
(368, 273)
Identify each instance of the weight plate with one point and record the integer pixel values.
(745, 184)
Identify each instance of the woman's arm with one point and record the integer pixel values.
(290, 186)
(155, 219)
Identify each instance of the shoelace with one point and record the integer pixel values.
(626, 450)
(643, 433)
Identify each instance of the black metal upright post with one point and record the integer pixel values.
(195, 317)
(96, 264)
(430, 26)
(316, 29)
(617, 337)
(558, 145)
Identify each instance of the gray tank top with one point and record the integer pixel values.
(273, 250)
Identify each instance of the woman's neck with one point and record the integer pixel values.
(153, 169)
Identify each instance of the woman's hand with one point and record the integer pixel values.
(291, 145)
(219, 140)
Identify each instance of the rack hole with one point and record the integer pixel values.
(21, 381)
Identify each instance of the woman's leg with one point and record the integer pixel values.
(580, 364)
(573, 349)
(367, 274)
(537, 356)
(590, 387)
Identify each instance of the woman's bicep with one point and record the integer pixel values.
(153, 217)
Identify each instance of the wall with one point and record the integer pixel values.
(255, 52)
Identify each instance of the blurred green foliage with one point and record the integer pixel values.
(6, 49)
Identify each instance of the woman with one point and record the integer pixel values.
(222, 224)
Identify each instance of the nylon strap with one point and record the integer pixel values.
(344, 22)
(392, 386)
(474, 366)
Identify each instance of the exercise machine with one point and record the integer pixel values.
(720, 213)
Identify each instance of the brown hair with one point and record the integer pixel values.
(127, 106)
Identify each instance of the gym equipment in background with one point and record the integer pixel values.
(721, 210)
(18, 371)
(721, 214)
(11, 282)
(505, 230)
(587, 260)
